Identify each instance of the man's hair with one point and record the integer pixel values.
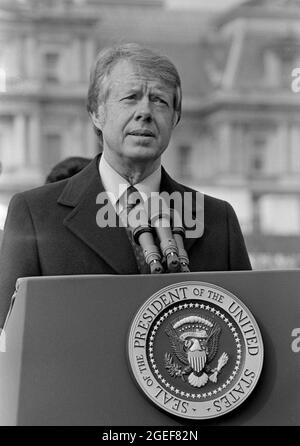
(150, 62)
(67, 168)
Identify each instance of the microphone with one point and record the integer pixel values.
(179, 235)
(160, 220)
(142, 235)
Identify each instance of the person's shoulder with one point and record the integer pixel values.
(216, 203)
(216, 210)
(210, 202)
(42, 194)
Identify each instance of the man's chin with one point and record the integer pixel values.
(143, 153)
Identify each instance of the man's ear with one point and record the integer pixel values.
(175, 119)
(99, 118)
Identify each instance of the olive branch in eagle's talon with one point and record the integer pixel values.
(221, 363)
(174, 369)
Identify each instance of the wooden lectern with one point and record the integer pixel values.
(66, 361)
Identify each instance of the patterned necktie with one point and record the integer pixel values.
(132, 199)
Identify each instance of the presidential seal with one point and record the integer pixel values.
(195, 350)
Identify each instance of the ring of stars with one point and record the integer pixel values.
(230, 326)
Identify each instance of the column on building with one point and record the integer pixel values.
(19, 148)
(90, 56)
(6, 143)
(21, 58)
(11, 50)
(238, 149)
(76, 71)
(256, 214)
(235, 54)
(271, 69)
(280, 159)
(77, 148)
(225, 147)
(34, 129)
(294, 148)
(31, 57)
(91, 143)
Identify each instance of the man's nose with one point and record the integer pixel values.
(143, 110)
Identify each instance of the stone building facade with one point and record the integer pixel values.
(239, 137)
(46, 50)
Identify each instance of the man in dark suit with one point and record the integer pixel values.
(134, 101)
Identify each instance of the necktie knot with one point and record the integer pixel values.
(128, 201)
(133, 198)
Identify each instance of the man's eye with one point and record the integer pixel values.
(159, 100)
(130, 97)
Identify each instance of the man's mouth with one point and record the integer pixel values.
(142, 133)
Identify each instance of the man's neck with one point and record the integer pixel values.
(133, 172)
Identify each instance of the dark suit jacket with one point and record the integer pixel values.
(52, 230)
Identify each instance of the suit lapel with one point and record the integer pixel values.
(110, 243)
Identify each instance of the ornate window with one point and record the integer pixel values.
(184, 158)
(280, 58)
(51, 66)
(52, 150)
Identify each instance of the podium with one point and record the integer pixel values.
(66, 360)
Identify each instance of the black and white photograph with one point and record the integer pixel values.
(149, 215)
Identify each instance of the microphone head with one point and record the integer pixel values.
(142, 229)
(173, 263)
(179, 231)
(156, 267)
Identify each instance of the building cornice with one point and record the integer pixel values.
(262, 9)
(258, 100)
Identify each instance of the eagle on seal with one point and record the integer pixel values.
(195, 341)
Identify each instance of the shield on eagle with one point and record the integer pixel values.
(195, 343)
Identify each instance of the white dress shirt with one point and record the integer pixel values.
(116, 185)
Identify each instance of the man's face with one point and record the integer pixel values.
(137, 117)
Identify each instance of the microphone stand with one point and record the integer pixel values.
(171, 238)
(142, 235)
(179, 234)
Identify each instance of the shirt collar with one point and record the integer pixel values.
(114, 183)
